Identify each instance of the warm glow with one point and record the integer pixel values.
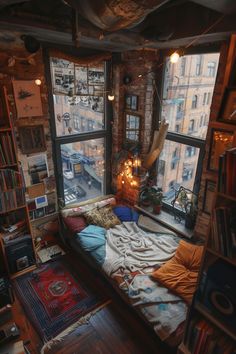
(38, 82)
(111, 97)
(174, 57)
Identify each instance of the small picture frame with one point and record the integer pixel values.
(131, 102)
(227, 112)
(221, 140)
(209, 195)
(32, 139)
(132, 127)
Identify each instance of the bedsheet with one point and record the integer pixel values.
(131, 256)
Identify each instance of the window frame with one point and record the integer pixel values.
(180, 138)
(57, 141)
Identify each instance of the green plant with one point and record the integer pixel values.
(151, 195)
(156, 196)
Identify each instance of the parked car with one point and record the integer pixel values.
(68, 174)
(80, 192)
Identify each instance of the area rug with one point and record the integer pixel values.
(54, 298)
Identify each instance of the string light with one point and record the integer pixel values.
(111, 97)
(38, 82)
(174, 58)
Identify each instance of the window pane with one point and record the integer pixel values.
(78, 93)
(177, 167)
(83, 170)
(188, 98)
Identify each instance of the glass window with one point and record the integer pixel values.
(79, 99)
(182, 66)
(83, 170)
(194, 101)
(211, 68)
(175, 169)
(182, 150)
(132, 127)
(198, 65)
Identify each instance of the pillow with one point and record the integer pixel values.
(125, 213)
(92, 239)
(103, 217)
(75, 223)
(87, 206)
(180, 273)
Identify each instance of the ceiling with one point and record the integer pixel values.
(118, 25)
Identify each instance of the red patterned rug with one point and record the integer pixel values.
(54, 298)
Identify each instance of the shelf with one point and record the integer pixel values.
(9, 165)
(2, 130)
(205, 312)
(23, 271)
(226, 196)
(44, 217)
(167, 220)
(217, 254)
(14, 209)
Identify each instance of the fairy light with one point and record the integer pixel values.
(174, 58)
(38, 82)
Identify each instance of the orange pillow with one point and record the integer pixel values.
(180, 273)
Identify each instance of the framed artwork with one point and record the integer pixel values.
(227, 112)
(27, 98)
(209, 195)
(37, 168)
(131, 102)
(32, 139)
(221, 140)
(63, 77)
(132, 127)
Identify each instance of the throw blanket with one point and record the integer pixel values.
(160, 307)
(129, 247)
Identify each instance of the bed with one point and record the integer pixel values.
(128, 249)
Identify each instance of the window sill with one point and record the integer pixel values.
(167, 220)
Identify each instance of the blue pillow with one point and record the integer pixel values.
(93, 239)
(125, 213)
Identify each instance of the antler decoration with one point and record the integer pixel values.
(157, 145)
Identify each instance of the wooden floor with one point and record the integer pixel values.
(114, 329)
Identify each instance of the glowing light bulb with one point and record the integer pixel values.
(38, 82)
(123, 182)
(174, 57)
(111, 97)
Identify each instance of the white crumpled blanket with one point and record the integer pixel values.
(130, 247)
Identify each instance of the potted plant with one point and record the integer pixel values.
(156, 197)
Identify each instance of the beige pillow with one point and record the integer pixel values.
(103, 217)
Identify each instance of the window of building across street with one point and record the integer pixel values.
(183, 150)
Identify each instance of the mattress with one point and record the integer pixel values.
(130, 256)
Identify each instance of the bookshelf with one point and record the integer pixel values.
(16, 244)
(211, 321)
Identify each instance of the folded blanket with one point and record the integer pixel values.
(130, 247)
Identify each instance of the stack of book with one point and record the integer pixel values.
(12, 194)
(10, 179)
(227, 172)
(7, 156)
(202, 338)
(223, 232)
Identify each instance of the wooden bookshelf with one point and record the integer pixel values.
(13, 207)
(211, 321)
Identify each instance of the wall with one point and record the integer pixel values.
(140, 66)
(22, 69)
